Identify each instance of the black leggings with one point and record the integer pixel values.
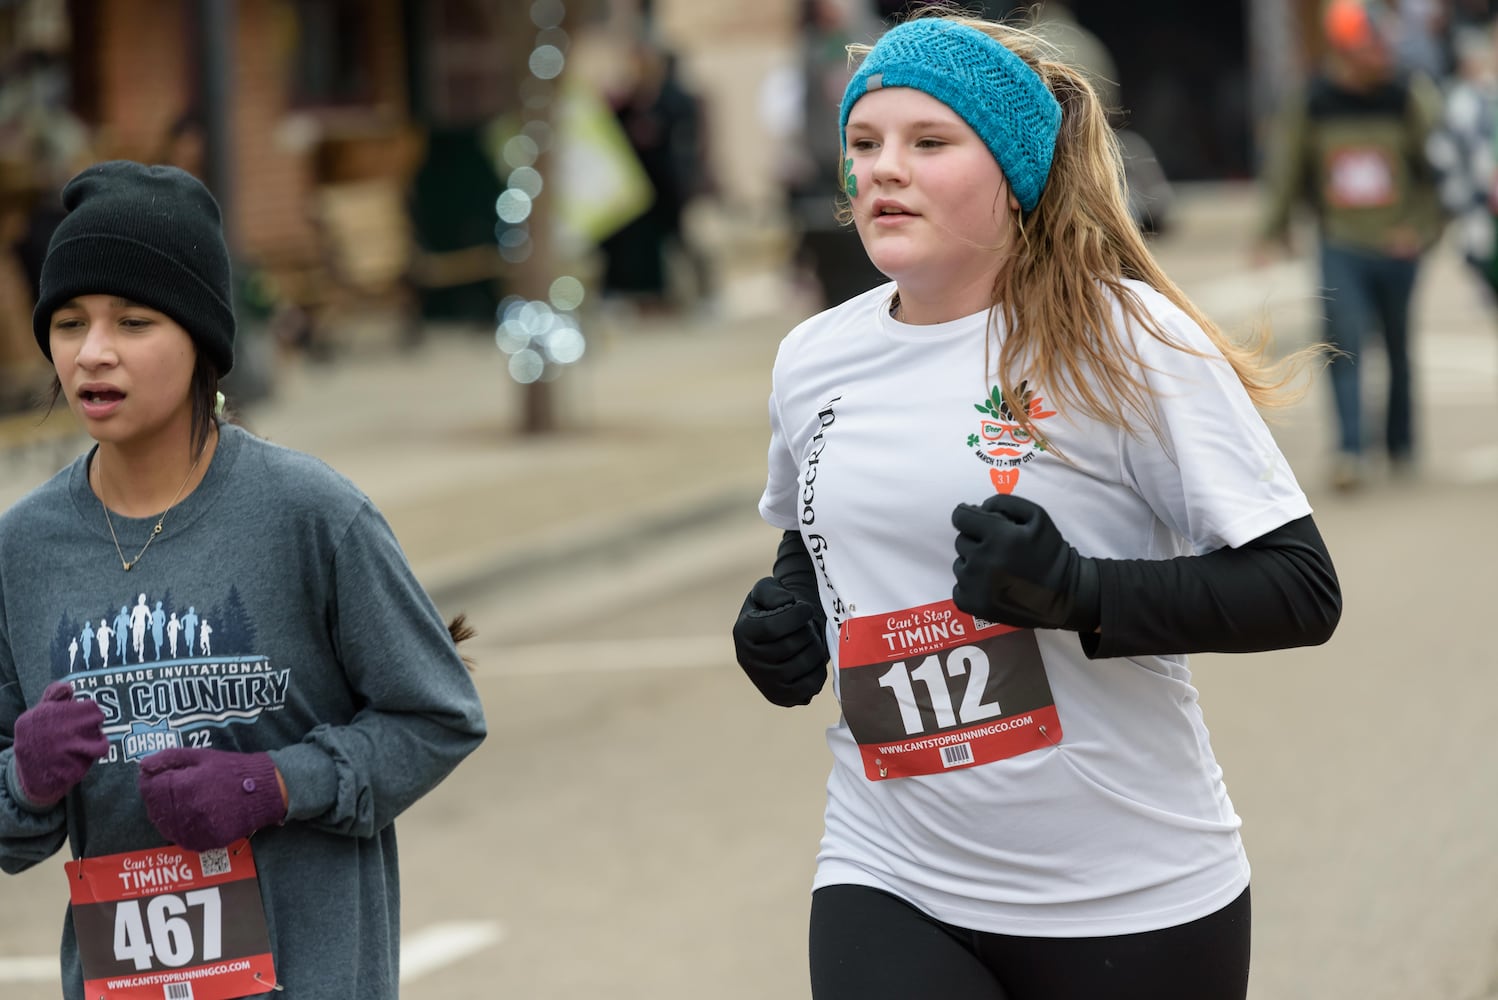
(870, 945)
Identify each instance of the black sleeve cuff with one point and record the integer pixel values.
(1277, 591)
(797, 573)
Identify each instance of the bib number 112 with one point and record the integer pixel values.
(963, 660)
(163, 931)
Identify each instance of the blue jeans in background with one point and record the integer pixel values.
(1364, 292)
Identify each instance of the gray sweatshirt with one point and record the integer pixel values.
(275, 612)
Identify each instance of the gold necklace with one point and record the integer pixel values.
(104, 502)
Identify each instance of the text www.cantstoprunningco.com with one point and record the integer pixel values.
(159, 978)
(964, 736)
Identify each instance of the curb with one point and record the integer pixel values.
(618, 540)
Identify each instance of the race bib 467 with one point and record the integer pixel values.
(171, 924)
(930, 689)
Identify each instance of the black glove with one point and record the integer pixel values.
(779, 642)
(1014, 567)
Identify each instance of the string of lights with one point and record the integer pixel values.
(540, 336)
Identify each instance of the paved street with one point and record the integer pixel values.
(640, 825)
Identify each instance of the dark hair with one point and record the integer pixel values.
(203, 391)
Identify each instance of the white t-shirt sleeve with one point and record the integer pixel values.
(1214, 474)
(777, 505)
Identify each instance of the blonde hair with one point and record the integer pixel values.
(1077, 247)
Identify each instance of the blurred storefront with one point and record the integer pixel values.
(40, 144)
(1199, 81)
(340, 135)
(1195, 78)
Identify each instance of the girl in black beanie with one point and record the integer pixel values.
(220, 681)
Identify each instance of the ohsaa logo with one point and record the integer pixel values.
(145, 740)
(1003, 442)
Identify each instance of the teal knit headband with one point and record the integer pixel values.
(992, 89)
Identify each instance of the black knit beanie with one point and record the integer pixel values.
(152, 235)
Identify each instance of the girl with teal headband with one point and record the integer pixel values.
(1023, 802)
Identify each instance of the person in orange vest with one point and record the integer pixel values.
(1351, 147)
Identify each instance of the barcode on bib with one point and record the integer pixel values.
(179, 991)
(215, 862)
(957, 753)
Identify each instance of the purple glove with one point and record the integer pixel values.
(202, 799)
(56, 741)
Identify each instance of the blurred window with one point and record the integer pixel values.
(331, 64)
(471, 74)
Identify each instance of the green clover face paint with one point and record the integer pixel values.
(850, 182)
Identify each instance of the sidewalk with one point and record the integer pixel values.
(663, 423)
(660, 426)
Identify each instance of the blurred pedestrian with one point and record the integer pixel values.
(1149, 190)
(664, 123)
(277, 758)
(1421, 31)
(1464, 152)
(1023, 801)
(829, 263)
(1352, 148)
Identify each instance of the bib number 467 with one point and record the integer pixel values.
(164, 933)
(168, 921)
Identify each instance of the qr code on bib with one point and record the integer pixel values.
(215, 862)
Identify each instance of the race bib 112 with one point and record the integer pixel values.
(930, 689)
